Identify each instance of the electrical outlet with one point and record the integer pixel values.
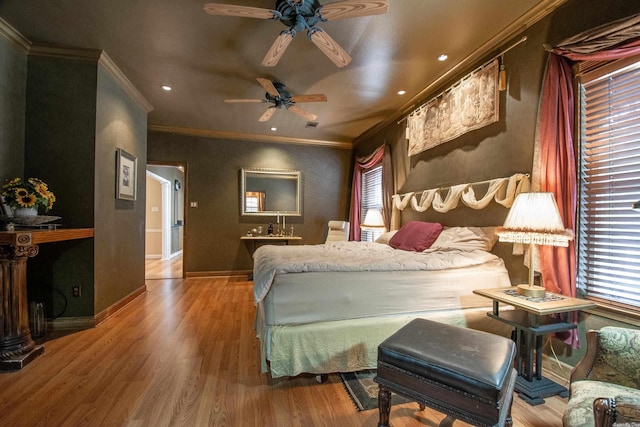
(77, 291)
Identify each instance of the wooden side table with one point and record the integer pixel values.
(17, 347)
(532, 319)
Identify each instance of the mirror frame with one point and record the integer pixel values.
(294, 174)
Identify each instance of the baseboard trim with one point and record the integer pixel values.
(119, 305)
(558, 368)
(71, 323)
(231, 274)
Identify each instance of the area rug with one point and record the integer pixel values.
(363, 391)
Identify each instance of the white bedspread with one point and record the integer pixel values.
(270, 260)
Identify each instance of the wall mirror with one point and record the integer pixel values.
(267, 192)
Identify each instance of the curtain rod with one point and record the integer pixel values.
(522, 40)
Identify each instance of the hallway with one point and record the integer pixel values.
(163, 269)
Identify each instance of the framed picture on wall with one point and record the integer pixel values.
(126, 175)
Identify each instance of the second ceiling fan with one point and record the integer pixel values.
(301, 15)
(279, 97)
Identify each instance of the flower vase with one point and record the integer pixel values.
(28, 212)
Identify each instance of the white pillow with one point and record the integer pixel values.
(466, 239)
(386, 237)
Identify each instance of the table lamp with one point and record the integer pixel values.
(373, 221)
(534, 219)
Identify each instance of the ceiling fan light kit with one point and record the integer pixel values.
(278, 96)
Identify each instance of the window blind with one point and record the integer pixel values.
(371, 199)
(609, 230)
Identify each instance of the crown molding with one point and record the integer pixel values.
(113, 70)
(11, 34)
(248, 136)
(51, 51)
(518, 26)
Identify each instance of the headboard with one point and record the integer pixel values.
(502, 190)
(430, 205)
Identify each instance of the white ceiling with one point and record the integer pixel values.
(207, 58)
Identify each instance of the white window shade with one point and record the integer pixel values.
(371, 199)
(609, 234)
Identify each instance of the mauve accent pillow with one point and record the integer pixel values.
(416, 236)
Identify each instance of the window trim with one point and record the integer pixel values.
(585, 72)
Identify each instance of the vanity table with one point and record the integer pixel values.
(17, 347)
(254, 242)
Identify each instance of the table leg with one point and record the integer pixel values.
(538, 369)
(17, 347)
(531, 386)
(529, 338)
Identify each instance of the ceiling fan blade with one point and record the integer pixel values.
(267, 114)
(277, 49)
(330, 48)
(318, 97)
(354, 8)
(299, 111)
(242, 11)
(243, 100)
(268, 86)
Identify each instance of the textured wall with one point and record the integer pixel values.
(214, 228)
(502, 148)
(59, 142)
(77, 116)
(119, 224)
(13, 86)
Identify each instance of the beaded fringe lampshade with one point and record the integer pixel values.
(373, 220)
(534, 220)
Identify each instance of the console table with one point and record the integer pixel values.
(17, 347)
(256, 241)
(531, 319)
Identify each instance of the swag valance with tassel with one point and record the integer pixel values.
(502, 190)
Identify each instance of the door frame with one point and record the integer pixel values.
(185, 196)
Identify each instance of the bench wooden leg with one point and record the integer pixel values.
(447, 422)
(384, 406)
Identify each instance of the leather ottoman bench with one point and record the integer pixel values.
(464, 373)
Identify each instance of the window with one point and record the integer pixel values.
(371, 199)
(609, 230)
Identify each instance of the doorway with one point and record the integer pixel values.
(165, 221)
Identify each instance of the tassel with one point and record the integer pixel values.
(502, 76)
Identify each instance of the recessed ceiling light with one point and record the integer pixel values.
(443, 57)
(402, 92)
(274, 129)
(166, 88)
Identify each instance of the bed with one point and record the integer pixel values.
(325, 308)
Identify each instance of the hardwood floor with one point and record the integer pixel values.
(185, 354)
(163, 269)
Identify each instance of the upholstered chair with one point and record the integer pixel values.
(604, 384)
(338, 231)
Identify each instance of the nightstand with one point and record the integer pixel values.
(531, 319)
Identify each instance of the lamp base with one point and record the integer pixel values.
(532, 291)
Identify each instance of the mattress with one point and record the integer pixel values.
(309, 297)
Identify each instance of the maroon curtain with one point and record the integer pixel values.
(362, 165)
(557, 172)
(557, 159)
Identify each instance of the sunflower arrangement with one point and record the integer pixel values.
(30, 193)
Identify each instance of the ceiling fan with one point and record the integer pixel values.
(278, 95)
(301, 15)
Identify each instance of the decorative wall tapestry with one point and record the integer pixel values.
(470, 105)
